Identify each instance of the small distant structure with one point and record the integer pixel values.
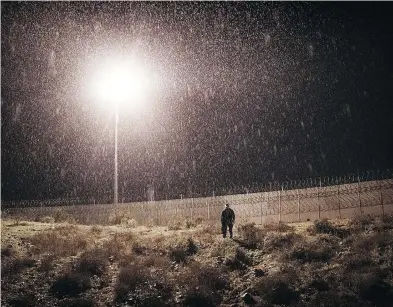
(150, 192)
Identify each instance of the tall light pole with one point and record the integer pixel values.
(120, 83)
(116, 198)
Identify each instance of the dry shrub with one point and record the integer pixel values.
(46, 263)
(361, 222)
(190, 223)
(367, 242)
(140, 287)
(223, 249)
(47, 219)
(70, 284)
(174, 225)
(277, 289)
(119, 217)
(7, 252)
(311, 251)
(119, 245)
(78, 302)
(157, 261)
(387, 221)
(95, 229)
(182, 249)
(60, 242)
(92, 262)
(129, 222)
(251, 236)
(279, 227)
(239, 261)
(325, 227)
(280, 241)
(355, 261)
(61, 216)
(23, 300)
(11, 267)
(204, 285)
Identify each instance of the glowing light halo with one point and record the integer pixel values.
(120, 82)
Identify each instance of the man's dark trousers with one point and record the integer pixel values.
(224, 229)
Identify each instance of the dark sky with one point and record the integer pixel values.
(242, 92)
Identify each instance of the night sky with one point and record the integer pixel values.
(241, 93)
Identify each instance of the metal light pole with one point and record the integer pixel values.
(115, 201)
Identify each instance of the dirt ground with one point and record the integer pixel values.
(60, 264)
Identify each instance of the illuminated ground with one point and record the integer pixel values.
(326, 264)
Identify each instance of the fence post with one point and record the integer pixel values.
(319, 203)
(380, 194)
(261, 213)
(279, 205)
(192, 207)
(298, 205)
(359, 200)
(339, 202)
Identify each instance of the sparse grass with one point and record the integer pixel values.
(334, 265)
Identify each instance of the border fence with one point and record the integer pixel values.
(288, 205)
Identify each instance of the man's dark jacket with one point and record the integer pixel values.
(227, 216)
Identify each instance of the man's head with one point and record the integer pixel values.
(227, 206)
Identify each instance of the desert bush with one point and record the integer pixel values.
(157, 261)
(120, 217)
(309, 252)
(174, 225)
(70, 284)
(239, 261)
(279, 227)
(61, 242)
(95, 229)
(325, 227)
(204, 285)
(251, 236)
(62, 216)
(13, 266)
(190, 223)
(361, 222)
(129, 222)
(274, 241)
(46, 264)
(6, 252)
(129, 278)
(23, 300)
(78, 302)
(387, 221)
(223, 248)
(119, 245)
(182, 249)
(47, 219)
(276, 289)
(92, 262)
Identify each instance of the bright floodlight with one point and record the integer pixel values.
(120, 82)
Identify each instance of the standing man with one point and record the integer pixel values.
(227, 220)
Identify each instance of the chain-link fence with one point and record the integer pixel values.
(333, 201)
